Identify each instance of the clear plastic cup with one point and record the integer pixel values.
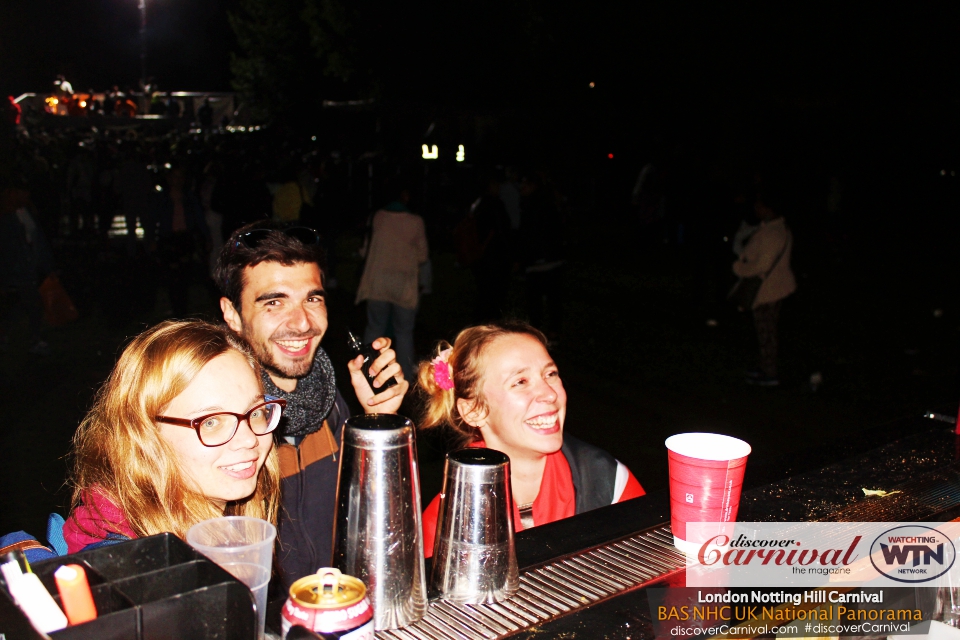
(706, 476)
(244, 547)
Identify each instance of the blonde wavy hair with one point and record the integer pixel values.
(118, 450)
(466, 371)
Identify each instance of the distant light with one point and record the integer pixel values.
(593, 84)
(159, 188)
(118, 227)
(429, 153)
(167, 165)
(314, 138)
(242, 129)
(610, 156)
(460, 153)
(943, 172)
(83, 104)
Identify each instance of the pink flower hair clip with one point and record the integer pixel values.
(442, 373)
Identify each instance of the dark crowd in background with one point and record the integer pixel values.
(145, 206)
(144, 209)
(624, 258)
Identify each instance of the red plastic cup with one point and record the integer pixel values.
(706, 475)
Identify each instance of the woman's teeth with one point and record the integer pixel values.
(242, 466)
(542, 422)
(293, 345)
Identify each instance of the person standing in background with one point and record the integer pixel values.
(157, 105)
(541, 246)
(390, 282)
(25, 260)
(214, 219)
(289, 198)
(173, 107)
(107, 194)
(81, 173)
(134, 186)
(491, 271)
(205, 115)
(181, 233)
(510, 194)
(94, 106)
(767, 255)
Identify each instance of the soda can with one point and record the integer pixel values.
(331, 604)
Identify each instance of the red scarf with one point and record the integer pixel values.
(93, 521)
(557, 498)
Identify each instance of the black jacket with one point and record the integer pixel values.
(594, 473)
(308, 490)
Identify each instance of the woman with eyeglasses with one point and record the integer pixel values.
(180, 432)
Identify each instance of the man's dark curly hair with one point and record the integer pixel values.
(276, 247)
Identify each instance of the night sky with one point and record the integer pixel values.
(96, 43)
(665, 51)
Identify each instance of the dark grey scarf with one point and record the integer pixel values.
(310, 403)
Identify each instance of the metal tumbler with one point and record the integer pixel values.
(377, 535)
(474, 557)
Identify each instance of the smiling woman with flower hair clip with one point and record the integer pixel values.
(498, 387)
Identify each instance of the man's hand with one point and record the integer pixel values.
(384, 368)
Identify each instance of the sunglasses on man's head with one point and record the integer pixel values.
(253, 239)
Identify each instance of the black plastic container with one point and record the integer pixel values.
(146, 589)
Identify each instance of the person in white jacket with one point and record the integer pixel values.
(767, 255)
(390, 283)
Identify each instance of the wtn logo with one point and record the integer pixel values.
(912, 553)
(896, 554)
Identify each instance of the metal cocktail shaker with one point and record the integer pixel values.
(474, 558)
(377, 535)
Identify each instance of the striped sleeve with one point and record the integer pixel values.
(626, 486)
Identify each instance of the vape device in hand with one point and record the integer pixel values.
(369, 355)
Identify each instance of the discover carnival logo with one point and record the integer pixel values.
(742, 551)
(813, 554)
(912, 553)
